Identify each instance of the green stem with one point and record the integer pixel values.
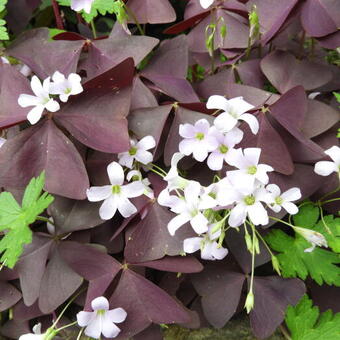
(284, 332)
(252, 260)
(156, 172)
(329, 201)
(44, 219)
(80, 334)
(93, 27)
(278, 220)
(66, 326)
(330, 193)
(323, 221)
(134, 18)
(159, 168)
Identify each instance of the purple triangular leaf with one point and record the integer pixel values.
(272, 296)
(9, 295)
(43, 147)
(44, 55)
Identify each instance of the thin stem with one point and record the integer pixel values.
(66, 326)
(329, 201)
(134, 18)
(330, 193)
(278, 220)
(156, 172)
(80, 334)
(93, 28)
(58, 19)
(159, 168)
(323, 221)
(44, 219)
(284, 332)
(264, 242)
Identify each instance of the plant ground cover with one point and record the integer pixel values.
(169, 169)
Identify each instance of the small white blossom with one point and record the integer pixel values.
(206, 3)
(248, 202)
(249, 169)
(198, 139)
(325, 168)
(138, 152)
(210, 250)
(136, 176)
(102, 320)
(40, 101)
(226, 142)
(219, 191)
(37, 335)
(276, 200)
(233, 110)
(315, 238)
(189, 208)
(65, 87)
(116, 196)
(78, 5)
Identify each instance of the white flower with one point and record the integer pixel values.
(136, 176)
(233, 110)
(198, 139)
(65, 87)
(189, 209)
(225, 143)
(206, 3)
(220, 191)
(2, 141)
(315, 238)
(277, 200)
(78, 5)
(210, 250)
(138, 152)
(175, 181)
(116, 195)
(40, 101)
(325, 168)
(248, 203)
(249, 169)
(102, 320)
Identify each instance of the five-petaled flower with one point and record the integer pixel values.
(65, 87)
(79, 5)
(116, 196)
(276, 200)
(198, 139)
(102, 320)
(138, 151)
(233, 110)
(325, 168)
(40, 101)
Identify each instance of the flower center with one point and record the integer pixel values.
(223, 149)
(101, 311)
(252, 170)
(199, 135)
(278, 200)
(213, 195)
(68, 91)
(133, 151)
(116, 189)
(249, 200)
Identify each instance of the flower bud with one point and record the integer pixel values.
(249, 305)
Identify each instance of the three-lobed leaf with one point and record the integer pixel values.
(305, 322)
(15, 220)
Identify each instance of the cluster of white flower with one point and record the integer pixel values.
(240, 198)
(101, 321)
(43, 99)
(116, 195)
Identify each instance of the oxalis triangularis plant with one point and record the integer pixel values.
(149, 183)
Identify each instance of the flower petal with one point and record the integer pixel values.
(116, 173)
(37, 87)
(239, 105)
(292, 194)
(109, 329)
(192, 244)
(52, 105)
(325, 168)
(200, 153)
(187, 131)
(35, 114)
(133, 189)
(237, 216)
(94, 329)
(216, 101)
(144, 157)
(258, 214)
(252, 121)
(84, 318)
(177, 222)
(146, 143)
(100, 303)
(117, 315)
(217, 252)
(125, 207)
(252, 155)
(225, 122)
(187, 146)
(108, 208)
(96, 194)
(26, 100)
(199, 223)
(290, 207)
(334, 153)
(215, 161)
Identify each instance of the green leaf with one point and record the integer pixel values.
(3, 30)
(305, 322)
(3, 4)
(320, 264)
(330, 228)
(307, 216)
(15, 220)
(337, 96)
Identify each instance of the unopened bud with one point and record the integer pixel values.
(249, 305)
